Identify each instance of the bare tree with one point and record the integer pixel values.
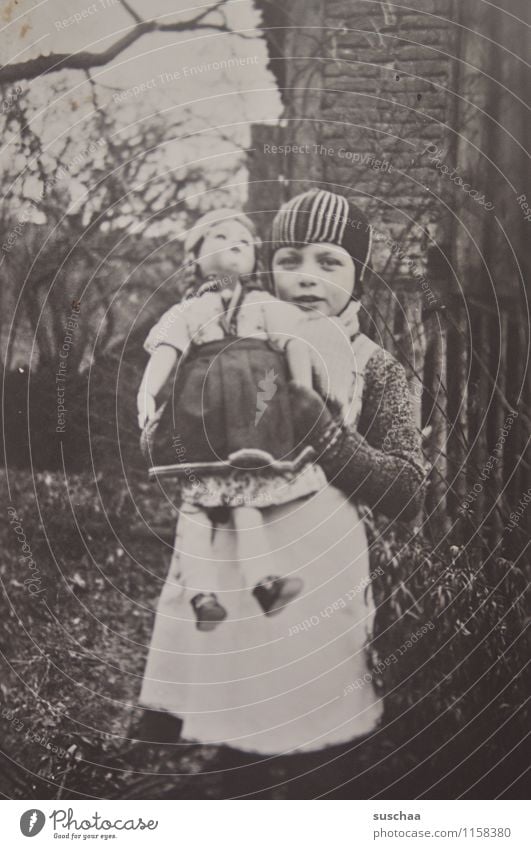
(210, 18)
(92, 232)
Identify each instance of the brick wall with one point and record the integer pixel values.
(368, 85)
(365, 92)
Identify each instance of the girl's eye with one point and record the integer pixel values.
(287, 260)
(330, 261)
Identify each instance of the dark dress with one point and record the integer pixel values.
(226, 395)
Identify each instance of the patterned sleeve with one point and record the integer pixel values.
(381, 463)
(171, 329)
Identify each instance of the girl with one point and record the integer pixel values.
(299, 681)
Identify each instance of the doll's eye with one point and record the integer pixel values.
(220, 236)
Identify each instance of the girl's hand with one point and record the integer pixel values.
(311, 416)
(146, 406)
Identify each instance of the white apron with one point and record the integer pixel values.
(295, 681)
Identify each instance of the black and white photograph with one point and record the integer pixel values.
(266, 418)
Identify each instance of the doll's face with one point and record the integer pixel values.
(318, 277)
(227, 248)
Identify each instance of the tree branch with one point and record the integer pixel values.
(131, 11)
(84, 60)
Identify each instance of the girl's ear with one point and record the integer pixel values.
(258, 263)
(358, 288)
(269, 282)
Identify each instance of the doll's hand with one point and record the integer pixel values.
(146, 406)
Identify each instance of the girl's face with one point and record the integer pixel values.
(316, 277)
(227, 248)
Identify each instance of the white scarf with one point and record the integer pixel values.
(349, 318)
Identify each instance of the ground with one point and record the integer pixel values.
(83, 563)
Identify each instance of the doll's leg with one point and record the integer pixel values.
(200, 574)
(270, 590)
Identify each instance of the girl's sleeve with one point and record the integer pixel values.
(171, 329)
(380, 463)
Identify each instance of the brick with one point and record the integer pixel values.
(416, 10)
(407, 52)
(346, 8)
(431, 68)
(423, 8)
(407, 85)
(419, 37)
(351, 67)
(428, 99)
(350, 84)
(364, 53)
(413, 23)
(410, 69)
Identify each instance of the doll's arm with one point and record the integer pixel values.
(157, 372)
(299, 361)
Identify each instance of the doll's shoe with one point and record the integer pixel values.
(209, 612)
(273, 593)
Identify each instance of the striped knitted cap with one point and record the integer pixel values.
(323, 216)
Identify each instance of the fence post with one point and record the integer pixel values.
(437, 447)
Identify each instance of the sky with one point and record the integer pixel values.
(167, 76)
(221, 79)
